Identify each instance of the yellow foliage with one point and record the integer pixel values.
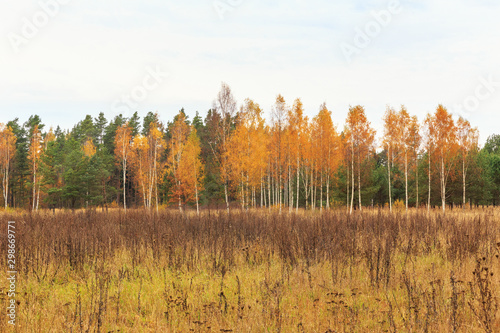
(89, 148)
(399, 204)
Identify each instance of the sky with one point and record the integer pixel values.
(64, 59)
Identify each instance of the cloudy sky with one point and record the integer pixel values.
(63, 59)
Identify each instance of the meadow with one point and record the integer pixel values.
(255, 271)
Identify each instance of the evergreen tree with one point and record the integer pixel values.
(100, 125)
(198, 122)
(20, 166)
(148, 120)
(492, 144)
(110, 132)
(51, 169)
(85, 129)
(134, 124)
(74, 173)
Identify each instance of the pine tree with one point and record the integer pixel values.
(7, 153)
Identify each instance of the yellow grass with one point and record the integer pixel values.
(255, 271)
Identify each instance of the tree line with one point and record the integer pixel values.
(234, 157)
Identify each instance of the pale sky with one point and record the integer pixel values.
(75, 57)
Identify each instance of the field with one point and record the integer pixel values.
(255, 271)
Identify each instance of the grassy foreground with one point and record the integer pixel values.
(256, 271)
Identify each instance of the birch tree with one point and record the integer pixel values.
(123, 140)
(7, 153)
(191, 169)
(388, 143)
(467, 142)
(35, 151)
(361, 137)
(445, 139)
(225, 106)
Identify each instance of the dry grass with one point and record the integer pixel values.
(256, 271)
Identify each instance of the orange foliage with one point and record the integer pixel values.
(190, 169)
(247, 152)
(145, 158)
(361, 138)
(326, 153)
(180, 133)
(123, 139)
(7, 152)
(443, 138)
